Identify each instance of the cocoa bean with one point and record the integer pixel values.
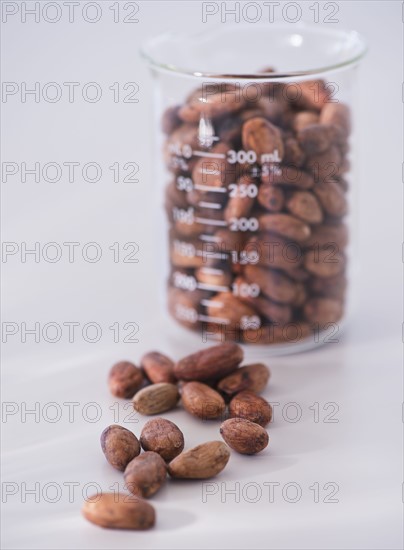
(202, 401)
(163, 437)
(202, 462)
(119, 446)
(243, 436)
(271, 197)
(210, 363)
(305, 206)
(118, 511)
(156, 398)
(250, 377)
(264, 138)
(145, 474)
(251, 406)
(285, 225)
(125, 379)
(158, 367)
(272, 283)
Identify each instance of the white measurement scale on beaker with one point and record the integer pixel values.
(181, 154)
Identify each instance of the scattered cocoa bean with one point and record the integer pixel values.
(156, 398)
(213, 362)
(145, 474)
(119, 511)
(250, 406)
(163, 437)
(125, 379)
(202, 401)
(158, 367)
(119, 446)
(250, 377)
(202, 462)
(244, 436)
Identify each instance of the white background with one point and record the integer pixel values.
(362, 374)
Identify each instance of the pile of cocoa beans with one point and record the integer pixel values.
(256, 200)
(211, 385)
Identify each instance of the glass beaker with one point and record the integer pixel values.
(254, 155)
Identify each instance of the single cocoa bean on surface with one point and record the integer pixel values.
(145, 474)
(119, 511)
(163, 437)
(119, 446)
(250, 406)
(156, 398)
(202, 462)
(202, 401)
(210, 363)
(250, 377)
(158, 367)
(125, 379)
(244, 436)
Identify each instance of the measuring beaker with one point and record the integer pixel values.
(254, 160)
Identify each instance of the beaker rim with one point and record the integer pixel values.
(349, 44)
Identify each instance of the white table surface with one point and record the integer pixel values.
(361, 374)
